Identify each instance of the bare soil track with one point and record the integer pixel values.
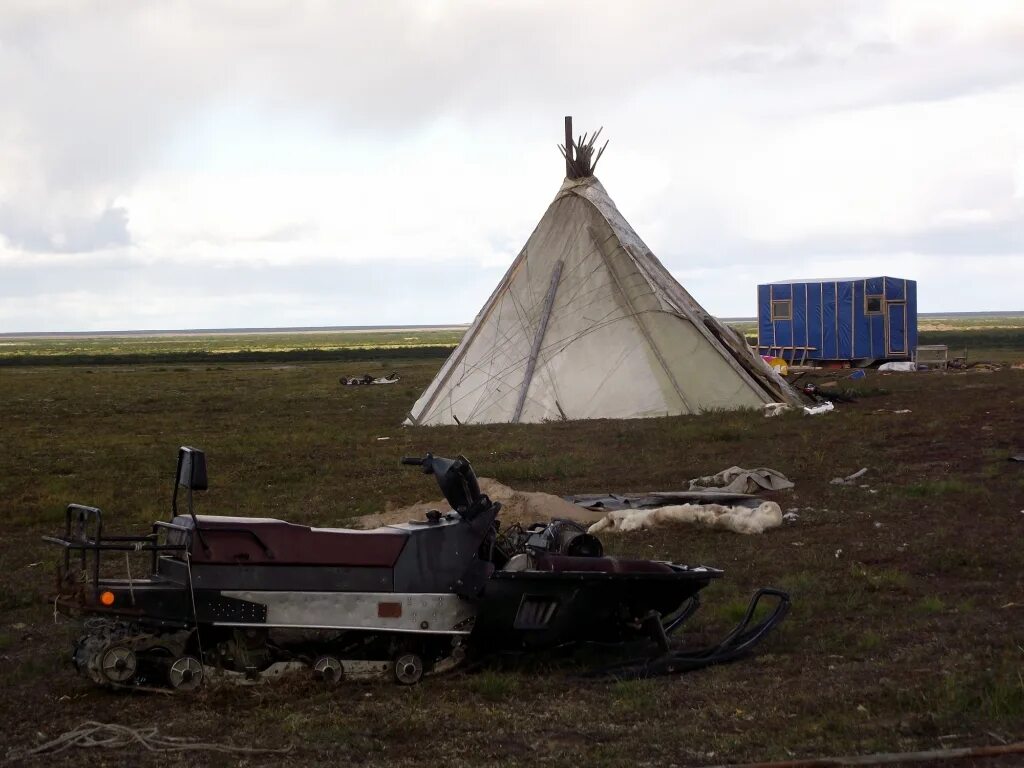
(908, 624)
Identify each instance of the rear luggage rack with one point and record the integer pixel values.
(83, 533)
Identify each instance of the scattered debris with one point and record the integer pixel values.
(822, 395)
(774, 409)
(902, 410)
(739, 480)
(1017, 457)
(791, 517)
(891, 758)
(860, 373)
(91, 734)
(777, 363)
(849, 479)
(815, 410)
(366, 378)
(839, 552)
(721, 500)
(898, 367)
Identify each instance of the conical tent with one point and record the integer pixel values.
(588, 324)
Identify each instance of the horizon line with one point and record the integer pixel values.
(382, 328)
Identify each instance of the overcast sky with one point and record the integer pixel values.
(286, 163)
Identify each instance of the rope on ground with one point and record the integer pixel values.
(114, 736)
(932, 755)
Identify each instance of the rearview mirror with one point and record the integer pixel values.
(191, 468)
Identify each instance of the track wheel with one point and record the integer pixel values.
(408, 669)
(118, 664)
(186, 673)
(329, 670)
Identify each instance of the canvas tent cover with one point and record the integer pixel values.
(587, 323)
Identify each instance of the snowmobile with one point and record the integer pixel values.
(251, 598)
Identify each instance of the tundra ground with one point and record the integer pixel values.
(907, 630)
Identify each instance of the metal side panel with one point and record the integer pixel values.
(381, 611)
(319, 578)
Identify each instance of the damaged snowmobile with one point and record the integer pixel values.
(250, 598)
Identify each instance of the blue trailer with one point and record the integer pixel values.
(840, 319)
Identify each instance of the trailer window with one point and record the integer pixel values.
(872, 305)
(782, 309)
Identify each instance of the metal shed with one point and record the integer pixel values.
(838, 319)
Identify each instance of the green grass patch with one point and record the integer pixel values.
(995, 694)
(868, 641)
(633, 695)
(493, 685)
(880, 579)
(935, 488)
(930, 605)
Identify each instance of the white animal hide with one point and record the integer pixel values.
(737, 519)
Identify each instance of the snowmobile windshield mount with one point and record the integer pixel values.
(457, 482)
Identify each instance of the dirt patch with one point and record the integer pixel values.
(522, 507)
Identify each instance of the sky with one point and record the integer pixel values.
(171, 164)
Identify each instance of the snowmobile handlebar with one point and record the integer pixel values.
(457, 481)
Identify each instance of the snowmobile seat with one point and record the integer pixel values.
(267, 541)
(567, 563)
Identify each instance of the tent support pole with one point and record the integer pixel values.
(542, 327)
(569, 173)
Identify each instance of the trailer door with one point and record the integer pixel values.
(896, 328)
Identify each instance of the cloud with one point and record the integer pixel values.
(380, 141)
(67, 235)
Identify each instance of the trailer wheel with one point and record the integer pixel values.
(408, 669)
(185, 674)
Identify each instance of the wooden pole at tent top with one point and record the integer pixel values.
(569, 173)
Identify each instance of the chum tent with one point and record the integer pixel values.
(588, 324)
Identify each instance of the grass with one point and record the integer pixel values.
(977, 338)
(936, 488)
(156, 346)
(996, 693)
(880, 579)
(634, 696)
(905, 620)
(493, 686)
(931, 604)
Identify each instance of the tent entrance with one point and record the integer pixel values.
(896, 328)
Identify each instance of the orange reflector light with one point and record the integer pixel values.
(107, 598)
